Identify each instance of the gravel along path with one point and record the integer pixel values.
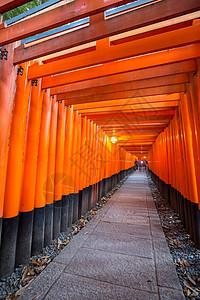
(185, 256)
(12, 287)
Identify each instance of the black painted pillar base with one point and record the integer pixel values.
(56, 218)
(115, 179)
(118, 177)
(94, 194)
(75, 207)
(110, 183)
(24, 238)
(38, 230)
(83, 202)
(98, 192)
(64, 213)
(90, 197)
(86, 199)
(8, 246)
(186, 211)
(166, 193)
(48, 226)
(107, 184)
(80, 203)
(190, 219)
(182, 209)
(103, 188)
(70, 210)
(172, 197)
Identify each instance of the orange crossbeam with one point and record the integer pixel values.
(132, 126)
(155, 72)
(127, 94)
(139, 154)
(136, 148)
(134, 85)
(122, 103)
(134, 130)
(136, 136)
(104, 53)
(144, 114)
(130, 119)
(136, 143)
(138, 110)
(136, 63)
(162, 10)
(141, 106)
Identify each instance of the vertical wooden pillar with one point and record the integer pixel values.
(30, 165)
(91, 155)
(41, 178)
(67, 201)
(13, 186)
(58, 189)
(94, 165)
(48, 231)
(16, 168)
(79, 174)
(74, 162)
(87, 158)
(83, 163)
(7, 89)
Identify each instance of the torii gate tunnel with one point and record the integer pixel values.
(86, 89)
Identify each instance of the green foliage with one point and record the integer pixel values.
(21, 9)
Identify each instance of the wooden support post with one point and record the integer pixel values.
(48, 231)
(60, 142)
(30, 165)
(66, 189)
(7, 85)
(13, 186)
(42, 169)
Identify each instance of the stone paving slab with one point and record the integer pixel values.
(118, 243)
(139, 205)
(130, 271)
(141, 220)
(76, 287)
(120, 254)
(142, 231)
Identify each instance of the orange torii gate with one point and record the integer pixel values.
(141, 88)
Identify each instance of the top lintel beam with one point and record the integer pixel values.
(105, 54)
(146, 15)
(117, 67)
(59, 16)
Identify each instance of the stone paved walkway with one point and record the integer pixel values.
(121, 254)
